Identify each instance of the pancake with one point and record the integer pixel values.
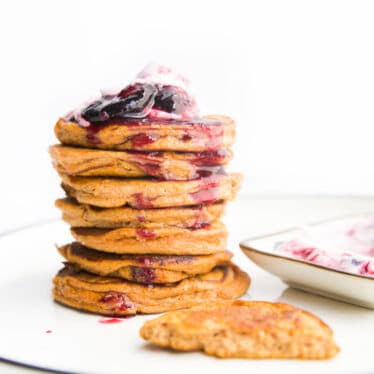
(130, 164)
(83, 215)
(168, 240)
(244, 329)
(142, 268)
(148, 193)
(116, 297)
(211, 133)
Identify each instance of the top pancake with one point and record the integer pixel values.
(252, 329)
(211, 133)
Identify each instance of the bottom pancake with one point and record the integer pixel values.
(116, 297)
(142, 268)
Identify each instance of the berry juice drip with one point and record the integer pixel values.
(143, 274)
(141, 201)
(148, 260)
(146, 234)
(117, 302)
(200, 221)
(208, 190)
(208, 134)
(201, 164)
(209, 158)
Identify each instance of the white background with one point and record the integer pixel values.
(298, 76)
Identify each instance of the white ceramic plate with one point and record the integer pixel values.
(311, 277)
(79, 343)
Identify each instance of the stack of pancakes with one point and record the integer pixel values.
(144, 203)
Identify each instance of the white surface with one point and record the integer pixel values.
(79, 343)
(297, 75)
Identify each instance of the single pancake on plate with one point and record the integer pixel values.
(244, 329)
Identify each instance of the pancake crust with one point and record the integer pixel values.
(116, 297)
(142, 268)
(170, 240)
(83, 215)
(246, 329)
(145, 194)
(152, 136)
(129, 164)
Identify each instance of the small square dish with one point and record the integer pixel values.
(333, 258)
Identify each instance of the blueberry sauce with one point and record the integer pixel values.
(209, 158)
(200, 221)
(117, 301)
(210, 136)
(203, 164)
(134, 101)
(141, 202)
(158, 96)
(172, 99)
(209, 171)
(145, 260)
(149, 260)
(140, 140)
(143, 274)
(200, 225)
(140, 218)
(186, 137)
(208, 190)
(146, 234)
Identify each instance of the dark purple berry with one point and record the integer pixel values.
(172, 99)
(135, 101)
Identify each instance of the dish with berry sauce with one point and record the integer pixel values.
(333, 258)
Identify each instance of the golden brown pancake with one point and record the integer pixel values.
(142, 268)
(168, 240)
(151, 135)
(145, 194)
(246, 329)
(116, 297)
(163, 165)
(84, 215)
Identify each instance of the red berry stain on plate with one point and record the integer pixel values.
(48, 331)
(110, 321)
